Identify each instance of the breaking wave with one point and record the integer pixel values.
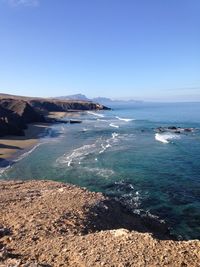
(96, 114)
(99, 147)
(113, 125)
(100, 171)
(166, 137)
(124, 119)
(77, 154)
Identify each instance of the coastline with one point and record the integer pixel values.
(46, 223)
(13, 146)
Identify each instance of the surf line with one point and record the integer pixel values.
(113, 125)
(123, 119)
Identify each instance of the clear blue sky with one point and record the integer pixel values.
(144, 49)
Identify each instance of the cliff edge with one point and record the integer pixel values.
(45, 223)
(16, 112)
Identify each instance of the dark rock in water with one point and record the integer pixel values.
(172, 128)
(75, 121)
(188, 129)
(177, 130)
(161, 129)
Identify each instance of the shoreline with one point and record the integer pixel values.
(12, 147)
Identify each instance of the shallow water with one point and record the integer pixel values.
(119, 153)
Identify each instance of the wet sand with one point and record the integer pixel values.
(61, 114)
(12, 145)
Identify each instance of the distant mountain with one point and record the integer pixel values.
(74, 97)
(101, 100)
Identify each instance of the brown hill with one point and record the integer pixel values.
(10, 122)
(14, 116)
(16, 111)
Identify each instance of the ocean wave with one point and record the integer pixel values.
(96, 114)
(128, 195)
(77, 154)
(100, 171)
(115, 135)
(104, 147)
(24, 155)
(113, 125)
(166, 137)
(20, 157)
(98, 147)
(85, 129)
(124, 119)
(3, 169)
(101, 120)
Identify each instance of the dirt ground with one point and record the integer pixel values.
(45, 223)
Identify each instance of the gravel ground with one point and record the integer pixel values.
(45, 223)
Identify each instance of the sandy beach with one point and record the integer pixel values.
(12, 145)
(61, 114)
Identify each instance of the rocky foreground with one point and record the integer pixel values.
(44, 223)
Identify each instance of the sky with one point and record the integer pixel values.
(122, 49)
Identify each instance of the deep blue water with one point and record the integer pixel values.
(122, 158)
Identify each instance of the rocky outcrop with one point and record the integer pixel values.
(174, 129)
(16, 112)
(23, 109)
(45, 223)
(14, 116)
(10, 123)
(67, 105)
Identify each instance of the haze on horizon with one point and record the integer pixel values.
(143, 50)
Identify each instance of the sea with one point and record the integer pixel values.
(132, 153)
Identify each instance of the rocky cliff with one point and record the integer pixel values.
(65, 105)
(16, 112)
(14, 116)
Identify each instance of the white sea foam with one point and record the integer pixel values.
(96, 114)
(84, 130)
(98, 147)
(77, 154)
(123, 119)
(166, 137)
(113, 125)
(101, 120)
(100, 171)
(104, 147)
(114, 135)
(3, 169)
(24, 155)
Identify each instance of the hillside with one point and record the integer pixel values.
(45, 223)
(17, 111)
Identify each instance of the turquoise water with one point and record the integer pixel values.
(116, 152)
